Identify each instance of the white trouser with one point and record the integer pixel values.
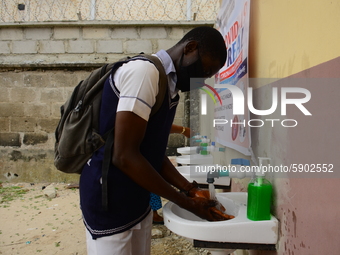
(135, 241)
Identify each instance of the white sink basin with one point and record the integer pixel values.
(187, 150)
(191, 175)
(196, 159)
(237, 230)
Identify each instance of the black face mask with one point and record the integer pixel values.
(186, 73)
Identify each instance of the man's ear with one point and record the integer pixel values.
(190, 47)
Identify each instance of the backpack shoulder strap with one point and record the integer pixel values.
(163, 80)
(162, 84)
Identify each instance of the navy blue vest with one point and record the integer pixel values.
(128, 202)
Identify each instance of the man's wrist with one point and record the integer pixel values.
(189, 187)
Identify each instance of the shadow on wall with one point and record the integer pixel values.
(306, 202)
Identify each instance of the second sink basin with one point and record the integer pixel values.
(195, 159)
(191, 175)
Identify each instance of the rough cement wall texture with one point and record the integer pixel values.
(40, 66)
(85, 42)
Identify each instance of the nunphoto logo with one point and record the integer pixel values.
(238, 105)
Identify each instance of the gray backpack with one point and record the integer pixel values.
(76, 135)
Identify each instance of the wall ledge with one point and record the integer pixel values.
(105, 23)
(48, 66)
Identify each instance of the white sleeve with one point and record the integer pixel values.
(137, 82)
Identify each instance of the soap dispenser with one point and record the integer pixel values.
(259, 195)
(204, 149)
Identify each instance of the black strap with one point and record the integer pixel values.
(106, 166)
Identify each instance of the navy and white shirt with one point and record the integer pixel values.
(133, 87)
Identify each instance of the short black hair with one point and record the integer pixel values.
(210, 42)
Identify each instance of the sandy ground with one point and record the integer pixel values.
(32, 223)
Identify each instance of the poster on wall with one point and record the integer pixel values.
(231, 130)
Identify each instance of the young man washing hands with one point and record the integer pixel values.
(139, 165)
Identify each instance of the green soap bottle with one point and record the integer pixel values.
(204, 150)
(259, 196)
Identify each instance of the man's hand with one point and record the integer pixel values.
(206, 209)
(216, 211)
(197, 192)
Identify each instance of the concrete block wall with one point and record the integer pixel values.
(84, 42)
(40, 66)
